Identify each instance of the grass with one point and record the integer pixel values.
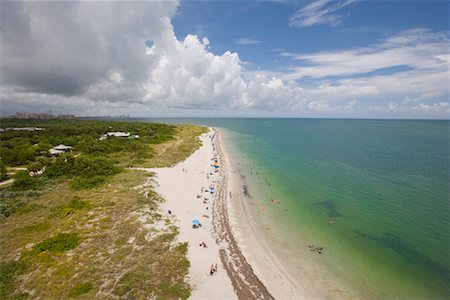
(12, 202)
(37, 227)
(178, 149)
(8, 271)
(80, 289)
(89, 243)
(71, 207)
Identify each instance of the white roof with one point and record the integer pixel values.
(119, 134)
(62, 147)
(55, 152)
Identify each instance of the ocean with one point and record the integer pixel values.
(374, 194)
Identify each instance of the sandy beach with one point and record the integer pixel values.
(245, 267)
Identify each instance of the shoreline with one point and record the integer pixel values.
(265, 264)
(191, 200)
(284, 276)
(247, 268)
(245, 282)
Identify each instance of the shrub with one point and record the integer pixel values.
(23, 181)
(35, 166)
(63, 166)
(88, 183)
(88, 172)
(59, 243)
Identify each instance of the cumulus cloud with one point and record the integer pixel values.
(98, 58)
(320, 12)
(66, 47)
(187, 75)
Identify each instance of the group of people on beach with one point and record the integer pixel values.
(212, 269)
(209, 190)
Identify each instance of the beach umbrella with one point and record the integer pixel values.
(196, 222)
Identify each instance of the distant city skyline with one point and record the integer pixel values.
(344, 59)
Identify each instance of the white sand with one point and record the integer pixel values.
(179, 186)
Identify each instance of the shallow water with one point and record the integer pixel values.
(373, 193)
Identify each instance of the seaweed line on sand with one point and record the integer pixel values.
(245, 283)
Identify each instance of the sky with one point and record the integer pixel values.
(319, 58)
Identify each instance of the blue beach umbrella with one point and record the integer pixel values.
(196, 222)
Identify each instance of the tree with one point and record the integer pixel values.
(23, 181)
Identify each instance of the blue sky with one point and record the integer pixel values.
(266, 23)
(316, 58)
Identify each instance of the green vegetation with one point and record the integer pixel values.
(60, 243)
(43, 226)
(71, 207)
(91, 163)
(25, 182)
(3, 171)
(177, 149)
(87, 172)
(23, 147)
(8, 271)
(88, 202)
(80, 289)
(15, 201)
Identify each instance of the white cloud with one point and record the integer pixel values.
(320, 12)
(186, 75)
(105, 67)
(421, 109)
(416, 49)
(247, 41)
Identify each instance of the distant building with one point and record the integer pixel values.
(66, 117)
(43, 116)
(20, 115)
(62, 147)
(118, 134)
(55, 152)
(59, 149)
(22, 129)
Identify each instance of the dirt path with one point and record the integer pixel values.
(6, 182)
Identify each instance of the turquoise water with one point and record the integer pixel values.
(373, 193)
